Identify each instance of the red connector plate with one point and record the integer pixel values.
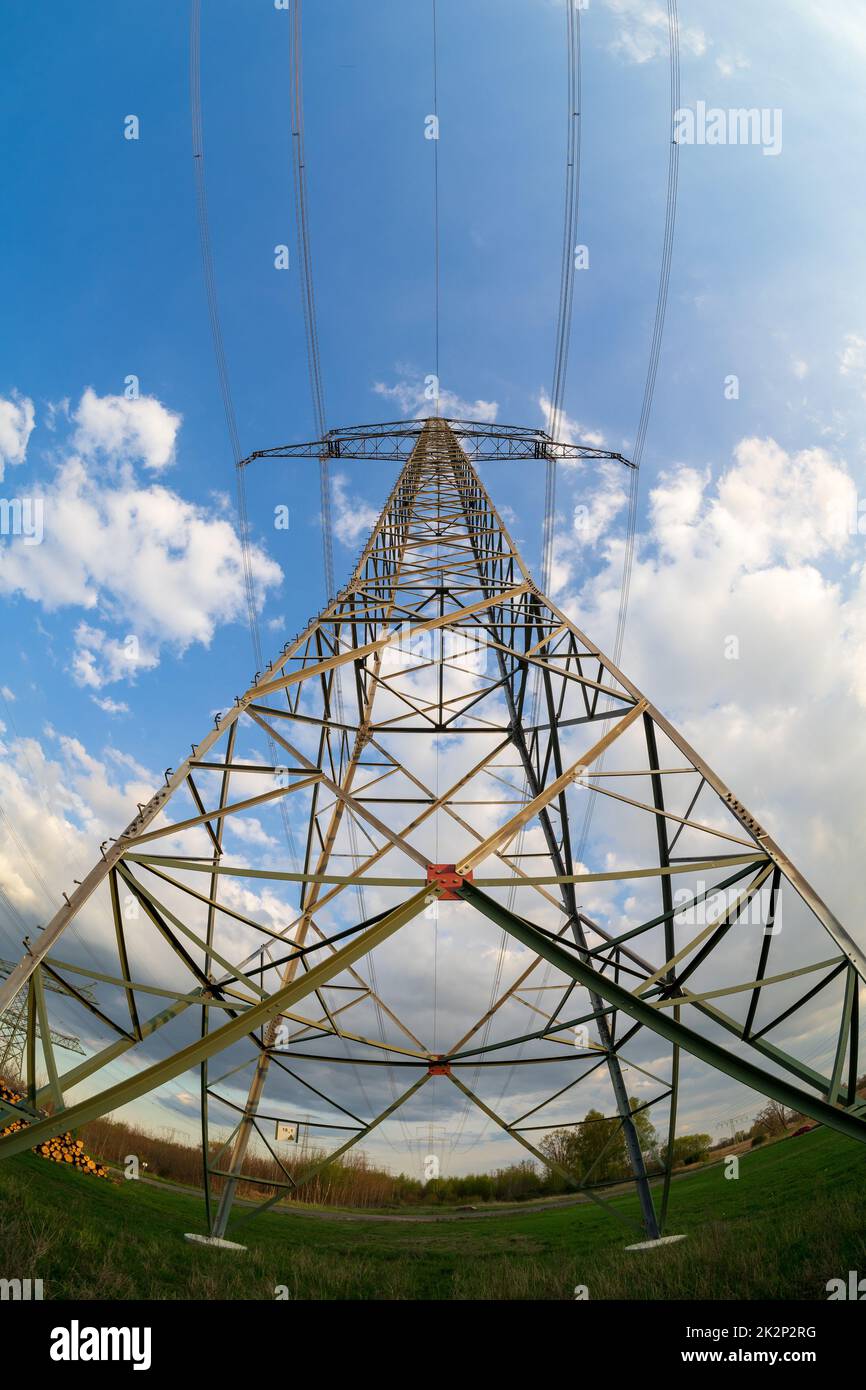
(447, 877)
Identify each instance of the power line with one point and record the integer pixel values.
(308, 296)
(436, 256)
(317, 392)
(658, 326)
(562, 343)
(222, 365)
(563, 334)
(214, 315)
(652, 370)
(566, 280)
(308, 292)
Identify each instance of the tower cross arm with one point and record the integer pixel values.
(393, 441)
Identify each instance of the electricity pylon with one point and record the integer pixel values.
(17, 1032)
(443, 800)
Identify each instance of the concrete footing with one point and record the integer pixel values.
(652, 1244)
(215, 1241)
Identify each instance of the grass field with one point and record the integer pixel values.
(795, 1218)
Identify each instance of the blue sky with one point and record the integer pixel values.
(101, 278)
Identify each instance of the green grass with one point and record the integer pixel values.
(795, 1218)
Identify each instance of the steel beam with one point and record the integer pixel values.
(722, 1059)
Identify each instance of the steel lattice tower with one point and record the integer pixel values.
(441, 726)
(16, 1032)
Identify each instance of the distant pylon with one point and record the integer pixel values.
(17, 1031)
(480, 721)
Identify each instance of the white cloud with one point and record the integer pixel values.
(592, 518)
(642, 32)
(566, 430)
(17, 418)
(55, 409)
(852, 359)
(768, 556)
(99, 659)
(158, 568)
(109, 706)
(775, 507)
(250, 831)
(747, 628)
(590, 522)
(126, 430)
(63, 803)
(353, 518)
(186, 1098)
(411, 396)
(730, 63)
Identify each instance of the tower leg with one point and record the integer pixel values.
(563, 866)
(242, 1141)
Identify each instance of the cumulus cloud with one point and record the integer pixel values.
(250, 830)
(413, 398)
(592, 519)
(642, 32)
(770, 507)
(563, 428)
(353, 518)
(63, 802)
(126, 430)
(746, 626)
(17, 418)
(99, 659)
(109, 706)
(153, 566)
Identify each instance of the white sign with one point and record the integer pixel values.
(287, 1133)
